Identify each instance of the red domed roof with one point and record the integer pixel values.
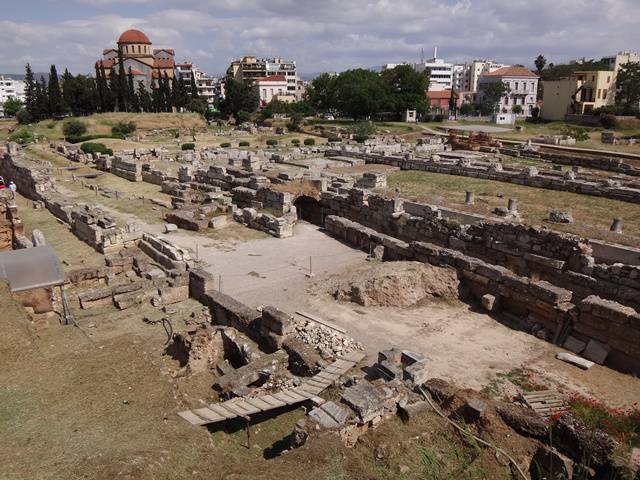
(133, 36)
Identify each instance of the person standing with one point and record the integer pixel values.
(13, 188)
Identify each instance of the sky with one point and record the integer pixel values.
(321, 35)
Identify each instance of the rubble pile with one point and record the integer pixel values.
(327, 341)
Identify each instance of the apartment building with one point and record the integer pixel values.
(10, 88)
(523, 88)
(208, 87)
(440, 73)
(251, 68)
(614, 62)
(580, 94)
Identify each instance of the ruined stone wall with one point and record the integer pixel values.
(553, 307)
(562, 259)
(127, 167)
(599, 163)
(528, 176)
(31, 177)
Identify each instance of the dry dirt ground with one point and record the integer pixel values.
(463, 343)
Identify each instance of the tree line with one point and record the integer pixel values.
(361, 93)
(81, 95)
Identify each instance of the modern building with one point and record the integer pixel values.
(251, 68)
(441, 72)
(208, 87)
(440, 100)
(274, 87)
(10, 88)
(475, 69)
(523, 89)
(580, 94)
(614, 62)
(135, 49)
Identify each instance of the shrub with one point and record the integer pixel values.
(579, 133)
(243, 143)
(51, 126)
(242, 117)
(295, 122)
(360, 138)
(89, 147)
(309, 141)
(333, 138)
(272, 142)
(467, 109)
(123, 128)
(74, 128)
(438, 118)
(427, 118)
(295, 141)
(23, 116)
(225, 145)
(517, 109)
(609, 121)
(188, 146)
(22, 136)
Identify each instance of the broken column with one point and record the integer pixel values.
(469, 199)
(616, 226)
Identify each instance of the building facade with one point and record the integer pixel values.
(251, 68)
(145, 63)
(208, 87)
(614, 62)
(10, 88)
(523, 89)
(580, 94)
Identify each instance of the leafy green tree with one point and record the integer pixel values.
(321, 94)
(467, 109)
(179, 97)
(517, 109)
(360, 93)
(556, 72)
(193, 89)
(30, 91)
(540, 62)
(406, 89)
(54, 94)
(23, 116)
(294, 122)
(12, 106)
(239, 97)
(628, 87)
(491, 95)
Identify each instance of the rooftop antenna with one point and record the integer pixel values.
(435, 52)
(422, 55)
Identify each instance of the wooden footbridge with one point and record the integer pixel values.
(245, 407)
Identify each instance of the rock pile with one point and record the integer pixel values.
(327, 341)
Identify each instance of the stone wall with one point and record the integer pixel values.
(562, 259)
(31, 177)
(556, 309)
(529, 176)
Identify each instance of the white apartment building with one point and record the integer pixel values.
(475, 69)
(616, 61)
(274, 87)
(10, 88)
(441, 72)
(208, 87)
(523, 89)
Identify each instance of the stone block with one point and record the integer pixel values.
(277, 321)
(170, 227)
(409, 358)
(414, 410)
(417, 373)
(547, 463)
(389, 370)
(574, 345)
(596, 352)
(366, 399)
(489, 302)
(329, 415)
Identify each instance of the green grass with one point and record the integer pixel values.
(592, 215)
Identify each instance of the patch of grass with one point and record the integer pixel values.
(519, 377)
(593, 215)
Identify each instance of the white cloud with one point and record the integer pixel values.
(334, 34)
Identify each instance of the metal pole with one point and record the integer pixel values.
(197, 252)
(220, 283)
(310, 267)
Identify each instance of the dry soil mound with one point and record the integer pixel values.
(398, 284)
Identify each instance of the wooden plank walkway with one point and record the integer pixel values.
(244, 407)
(545, 403)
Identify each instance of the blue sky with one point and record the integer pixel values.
(321, 35)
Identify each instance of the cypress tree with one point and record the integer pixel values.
(30, 91)
(194, 89)
(144, 99)
(56, 104)
(134, 104)
(68, 99)
(156, 96)
(119, 84)
(41, 101)
(165, 92)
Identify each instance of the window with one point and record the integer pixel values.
(599, 93)
(604, 94)
(609, 79)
